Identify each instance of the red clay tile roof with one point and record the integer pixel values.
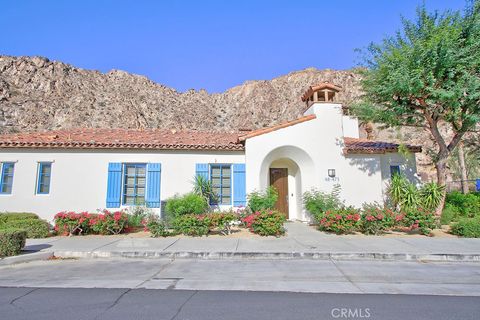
(353, 145)
(320, 86)
(124, 139)
(261, 131)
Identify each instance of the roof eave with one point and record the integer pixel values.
(348, 151)
(88, 146)
(283, 125)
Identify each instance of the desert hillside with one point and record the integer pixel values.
(39, 94)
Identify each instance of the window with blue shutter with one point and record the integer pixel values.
(153, 185)
(221, 179)
(44, 173)
(134, 183)
(239, 185)
(114, 185)
(6, 177)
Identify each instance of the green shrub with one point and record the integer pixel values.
(265, 200)
(344, 220)
(467, 227)
(157, 228)
(419, 218)
(9, 216)
(137, 214)
(12, 241)
(455, 198)
(450, 214)
(467, 204)
(318, 202)
(265, 222)
(35, 228)
(191, 224)
(189, 203)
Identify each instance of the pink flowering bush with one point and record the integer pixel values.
(265, 222)
(340, 221)
(72, 223)
(376, 220)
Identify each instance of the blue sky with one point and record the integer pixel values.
(206, 44)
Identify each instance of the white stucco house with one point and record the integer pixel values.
(89, 169)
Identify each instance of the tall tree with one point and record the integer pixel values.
(463, 167)
(427, 75)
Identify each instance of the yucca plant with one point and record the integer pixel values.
(431, 195)
(203, 187)
(396, 189)
(411, 197)
(403, 194)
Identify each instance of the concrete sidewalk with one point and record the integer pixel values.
(300, 242)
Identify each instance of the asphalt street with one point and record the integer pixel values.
(238, 289)
(76, 303)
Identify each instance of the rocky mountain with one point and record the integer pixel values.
(39, 94)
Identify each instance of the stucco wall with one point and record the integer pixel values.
(407, 165)
(316, 146)
(79, 178)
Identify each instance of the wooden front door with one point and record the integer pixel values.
(279, 179)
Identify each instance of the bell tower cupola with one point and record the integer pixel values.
(322, 92)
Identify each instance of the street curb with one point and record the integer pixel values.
(434, 257)
(26, 257)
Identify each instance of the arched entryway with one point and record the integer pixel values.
(290, 170)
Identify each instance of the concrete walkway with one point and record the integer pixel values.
(300, 242)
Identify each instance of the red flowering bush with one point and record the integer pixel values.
(222, 221)
(420, 219)
(156, 226)
(265, 222)
(71, 223)
(376, 220)
(345, 220)
(109, 222)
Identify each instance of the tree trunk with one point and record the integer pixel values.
(441, 167)
(463, 168)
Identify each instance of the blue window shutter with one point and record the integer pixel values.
(201, 169)
(478, 184)
(114, 184)
(153, 185)
(239, 185)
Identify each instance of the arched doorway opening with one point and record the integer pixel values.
(291, 171)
